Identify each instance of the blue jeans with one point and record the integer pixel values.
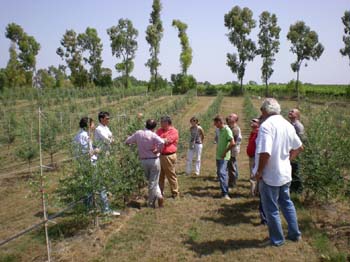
(273, 197)
(104, 201)
(221, 171)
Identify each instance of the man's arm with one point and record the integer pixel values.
(295, 152)
(131, 140)
(232, 144)
(172, 137)
(263, 160)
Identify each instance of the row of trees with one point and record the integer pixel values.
(82, 52)
(240, 22)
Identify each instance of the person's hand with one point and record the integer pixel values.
(258, 176)
(165, 140)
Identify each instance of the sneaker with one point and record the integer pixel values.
(297, 239)
(227, 197)
(196, 174)
(112, 213)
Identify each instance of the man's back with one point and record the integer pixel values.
(277, 137)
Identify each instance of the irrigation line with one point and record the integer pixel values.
(32, 227)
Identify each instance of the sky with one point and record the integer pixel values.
(47, 21)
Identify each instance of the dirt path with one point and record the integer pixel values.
(200, 226)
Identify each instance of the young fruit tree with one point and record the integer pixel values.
(305, 45)
(240, 22)
(124, 46)
(268, 45)
(346, 38)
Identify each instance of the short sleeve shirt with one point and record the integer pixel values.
(224, 138)
(277, 137)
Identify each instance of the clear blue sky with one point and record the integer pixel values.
(47, 21)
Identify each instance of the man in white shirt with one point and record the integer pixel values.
(103, 135)
(104, 138)
(276, 145)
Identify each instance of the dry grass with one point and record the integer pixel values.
(200, 226)
(197, 227)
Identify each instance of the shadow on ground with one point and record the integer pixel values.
(236, 213)
(210, 247)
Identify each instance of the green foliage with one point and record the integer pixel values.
(9, 128)
(124, 46)
(268, 44)
(14, 73)
(240, 22)
(305, 46)
(23, 63)
(183, 83)
(249, 109)
(43, 79)
(91, 43)
(50, 131)
(28, 150)
(154, 34)
(58, 74)
(186, 54)
(346, 37)
(157, 83)
(71, 52)
(325, 155)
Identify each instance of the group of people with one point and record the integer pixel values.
(273, 146)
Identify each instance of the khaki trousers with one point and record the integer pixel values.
(167, 164)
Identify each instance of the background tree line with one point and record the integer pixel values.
(81, 52)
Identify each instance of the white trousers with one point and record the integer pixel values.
(196, 153)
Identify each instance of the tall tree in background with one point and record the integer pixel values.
(346, 38)
(14, 73)
(59, 74)
(268, 45)
(25, 59)
(91, 43)
(71, 52)
(186, 53)
(124, 46)
(154, 34)
(305, 45)
(240, 22)
(183, 82)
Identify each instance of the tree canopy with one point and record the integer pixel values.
(268, 44)
(124, 46)
(346, 38)
(240, 22)
(305, 45)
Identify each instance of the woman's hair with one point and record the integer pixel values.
(85, 122)
(194, 119)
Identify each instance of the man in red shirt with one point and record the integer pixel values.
(168, 155)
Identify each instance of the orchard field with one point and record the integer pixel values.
(199, 226)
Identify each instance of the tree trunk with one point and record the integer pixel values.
(297, 87)
(241, 85)
(266, 88)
